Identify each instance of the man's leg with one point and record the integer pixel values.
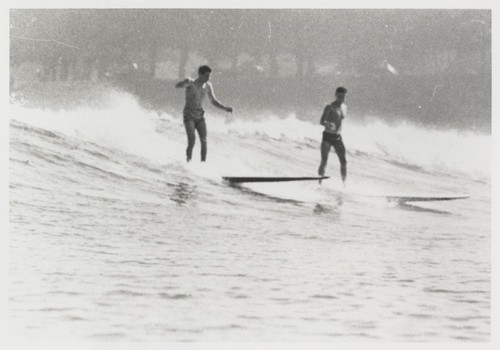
(190, 127)
(325, 150)
(340, 150)
(201, 127)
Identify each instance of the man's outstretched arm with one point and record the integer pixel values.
(184, 83)
(216, 102)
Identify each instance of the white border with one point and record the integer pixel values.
(354, 4)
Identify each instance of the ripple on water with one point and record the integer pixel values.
(75, 318)
(237, 295)
(323, 296)
(174, 296)
(109, 336)
(55, 309)
(62, 292)
(421, 316)
(448, 291)
(467, 301)
(467, 318)
(126, 292)
(249, 317)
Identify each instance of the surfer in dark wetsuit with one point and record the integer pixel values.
(331, 119)
(196, 90)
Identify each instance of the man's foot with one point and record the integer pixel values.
(321, 170)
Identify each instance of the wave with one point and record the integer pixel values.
(159, 136)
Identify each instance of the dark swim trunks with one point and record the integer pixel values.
(195, 115)
(332, 139)
(336, 141)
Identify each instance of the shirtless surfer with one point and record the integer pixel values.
(331, 119)
(194, 119)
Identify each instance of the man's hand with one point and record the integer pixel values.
(331, 126)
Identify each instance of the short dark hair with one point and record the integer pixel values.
(341, 90)
(204, 69)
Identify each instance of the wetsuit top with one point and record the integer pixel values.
(332, 118)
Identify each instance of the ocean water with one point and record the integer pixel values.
(113, 237)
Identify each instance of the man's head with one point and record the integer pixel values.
(340, 93)
(204, 73)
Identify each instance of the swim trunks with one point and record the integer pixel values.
(332, 139)
(195, 115)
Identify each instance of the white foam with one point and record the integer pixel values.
(124, 125)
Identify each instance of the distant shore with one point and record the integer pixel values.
(439, 101)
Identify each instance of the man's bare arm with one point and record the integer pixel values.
(184, 83)
(216, 102)
(327, 124)
(344, 111)
(323, 120)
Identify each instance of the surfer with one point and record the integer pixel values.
(331, 119)
(194, 119)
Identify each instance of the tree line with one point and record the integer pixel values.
(355, 41)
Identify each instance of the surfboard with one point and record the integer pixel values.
(241, 179)
(403, 199)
